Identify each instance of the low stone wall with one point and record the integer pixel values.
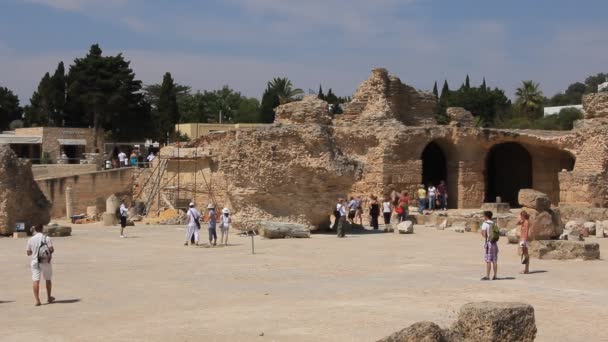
(61, 170)
(90, 189)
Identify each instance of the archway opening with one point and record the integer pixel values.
(508, 170)
(434, 165)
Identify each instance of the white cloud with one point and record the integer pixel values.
(75, 5)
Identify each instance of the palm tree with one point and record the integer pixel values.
(282, 87)
(529, 98)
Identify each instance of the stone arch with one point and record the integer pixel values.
(438, 164)
(508, 170)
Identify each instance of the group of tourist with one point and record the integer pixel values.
(194, 225)
(491, 234)
(432, 197)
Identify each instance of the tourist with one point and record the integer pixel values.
(374, 212)
(212, 225)
(40, 248)
(150, 158)
(490, 233)
(432, 197)
(341, 209)
(193, 226)
(122, 157)
(226, 220)
(403, 206)
(133, 158)
(524, 222)
(421, 198)
(337, 216)
(442, 192)
(352, 210)
(387, 210)
(123, 213)
(359, 213)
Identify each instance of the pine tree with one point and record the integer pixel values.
(270, 100)
(39, 112)
(445, 91)
(58, 94)
(167, 111)
(321, 96)
(435, 91)
(331, 98)
(467, 83)
(483, 85)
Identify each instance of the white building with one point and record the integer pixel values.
(555, 110)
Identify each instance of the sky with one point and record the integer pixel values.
(244, 43)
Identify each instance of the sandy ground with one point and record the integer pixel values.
(149, 287)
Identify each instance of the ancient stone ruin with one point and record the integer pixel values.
(484, 321)
(20, 198)
(387, 139)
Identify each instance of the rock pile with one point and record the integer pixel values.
(460, 117)
(484, 321)
(20, 197)
(564, 249)
(280, 230)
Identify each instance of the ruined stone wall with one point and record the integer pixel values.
(595, 105)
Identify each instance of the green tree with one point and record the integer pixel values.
(331, 98)
(103, 93)
(467, 83)
(58, 94)
(283, 88)
(39, 112)
(248, 111)
(270, 100)
(320, 95)
(593, 81)
(167, 111)
(445, 91)
(529, 99)
(483, 84)
(435, 91)
(9, 107)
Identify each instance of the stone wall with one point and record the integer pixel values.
(91, 189)
(460, 117)
(595, 105)
(61, 170)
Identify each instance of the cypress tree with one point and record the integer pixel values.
(445, 91)
(58, 96)
(321, 96)
(467, 83)
(435, 91)
(483, 85)
(168, 111)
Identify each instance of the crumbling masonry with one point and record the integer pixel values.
(387, 139)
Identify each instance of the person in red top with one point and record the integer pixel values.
(442, 192)
(524, 222)
(404, 203)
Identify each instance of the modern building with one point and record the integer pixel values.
(556, 109)
(197, 130)
(46, 145)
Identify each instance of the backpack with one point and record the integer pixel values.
(44, 252)
(493, 232)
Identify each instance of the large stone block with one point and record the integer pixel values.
(564, 250)
(21, 200)
(109, 219)
(417, 332)
(112, 204)
(534, 199)
(491, 321)
(405, 227)
(281, 230)
(544, 227)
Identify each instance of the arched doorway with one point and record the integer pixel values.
(508, 170)
(434, 165)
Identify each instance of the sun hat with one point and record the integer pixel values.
(226, 211)
(210, 206)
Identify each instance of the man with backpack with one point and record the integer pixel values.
(491, 234)
(40, 248)
(194, 225)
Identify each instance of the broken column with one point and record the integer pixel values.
(69, 202)
(112, 205)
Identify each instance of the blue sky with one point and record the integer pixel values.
(244, 43)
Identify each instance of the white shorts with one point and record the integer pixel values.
(523, 244)
(41, 268)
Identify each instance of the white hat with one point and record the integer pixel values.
(226, 211)
(210, 206)
(191, 204)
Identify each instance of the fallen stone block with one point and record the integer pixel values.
(513, 236)
(109, 219)
(57, 231)
(492, 321)
(421, 331)
(534, 199)
(19, 235)
(574, 225)
(405, 227)
(281, 230)
(443, 225)
(564, 250)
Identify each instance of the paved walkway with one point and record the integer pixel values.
(149, 287)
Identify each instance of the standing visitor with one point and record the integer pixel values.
(194, 225)
(442, 191)
(212, 225)
(491, 234)
(123, 212)
(352, 210)
(404, 204)
(337, 216)
(524, 221)
(387, 210)
(122, 157)
(133, 158)
(341, 209)
(432, 197)
(374, 212)
(421, 199)
(40, 248)
(226, 220)
(359, 213)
